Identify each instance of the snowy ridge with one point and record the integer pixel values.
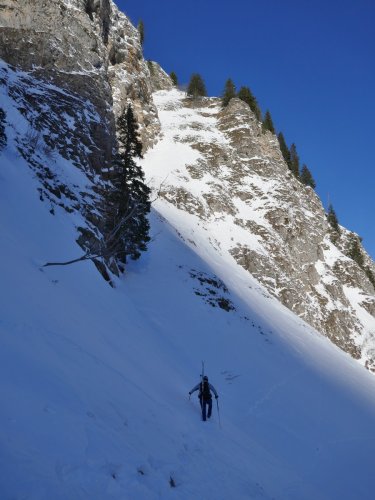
(95, 380)
(221, 181)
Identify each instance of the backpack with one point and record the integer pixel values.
(204, 391)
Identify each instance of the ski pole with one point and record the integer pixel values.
(218, 412)
(201, 389)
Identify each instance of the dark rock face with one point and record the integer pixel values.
(102, 8)
(65, 121)
(82, 63)
(60, 129)
(85, 46)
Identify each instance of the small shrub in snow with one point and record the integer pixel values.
(3, 137)
(33, 139)
(35, 143)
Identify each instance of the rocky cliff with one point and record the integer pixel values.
(73, 67)
(218, 166)
(87, 47)
(81, 62)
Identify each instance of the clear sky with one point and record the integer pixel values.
(311, 63)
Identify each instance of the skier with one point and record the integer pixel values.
(204, 396)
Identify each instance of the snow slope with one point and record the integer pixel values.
(94, 380)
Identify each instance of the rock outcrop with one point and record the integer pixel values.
(79, 64)
(159, 79)
(233, 179)
(87, 47)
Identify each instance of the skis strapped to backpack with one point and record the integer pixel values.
(201, 387)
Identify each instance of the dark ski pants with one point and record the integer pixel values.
(204, 404)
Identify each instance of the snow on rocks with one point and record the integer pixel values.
(225, 187)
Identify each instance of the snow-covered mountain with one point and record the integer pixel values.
(216, 168)
(94, 378)
(215, 164)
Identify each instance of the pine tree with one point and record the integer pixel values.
(3, 137)
(174, 78)
(306, 178)
(141, 31)
(354, 250)
(284, 149)
(333, 220)
(246, 95)
(370, 276)
(268, 123)
(196, 87)
(294, 160)
(127, 226)
(228, 93)
(151, 68)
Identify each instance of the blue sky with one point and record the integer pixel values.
(312, 64)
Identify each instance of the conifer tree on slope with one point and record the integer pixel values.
(246, 95)
(284, 148)
(229, 92)
(370, 275)
(332, 219)
(196, 87)
(127, 226)
(306, 177)
(141, 31)
(268, 123)
(174, 78)
(354, 250)
(294, 160)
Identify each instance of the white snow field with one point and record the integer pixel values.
(94, 381)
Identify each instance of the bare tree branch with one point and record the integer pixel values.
(86, 256)
(107, 251)
(159, 190)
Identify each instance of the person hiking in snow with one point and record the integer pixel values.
(204, 396)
